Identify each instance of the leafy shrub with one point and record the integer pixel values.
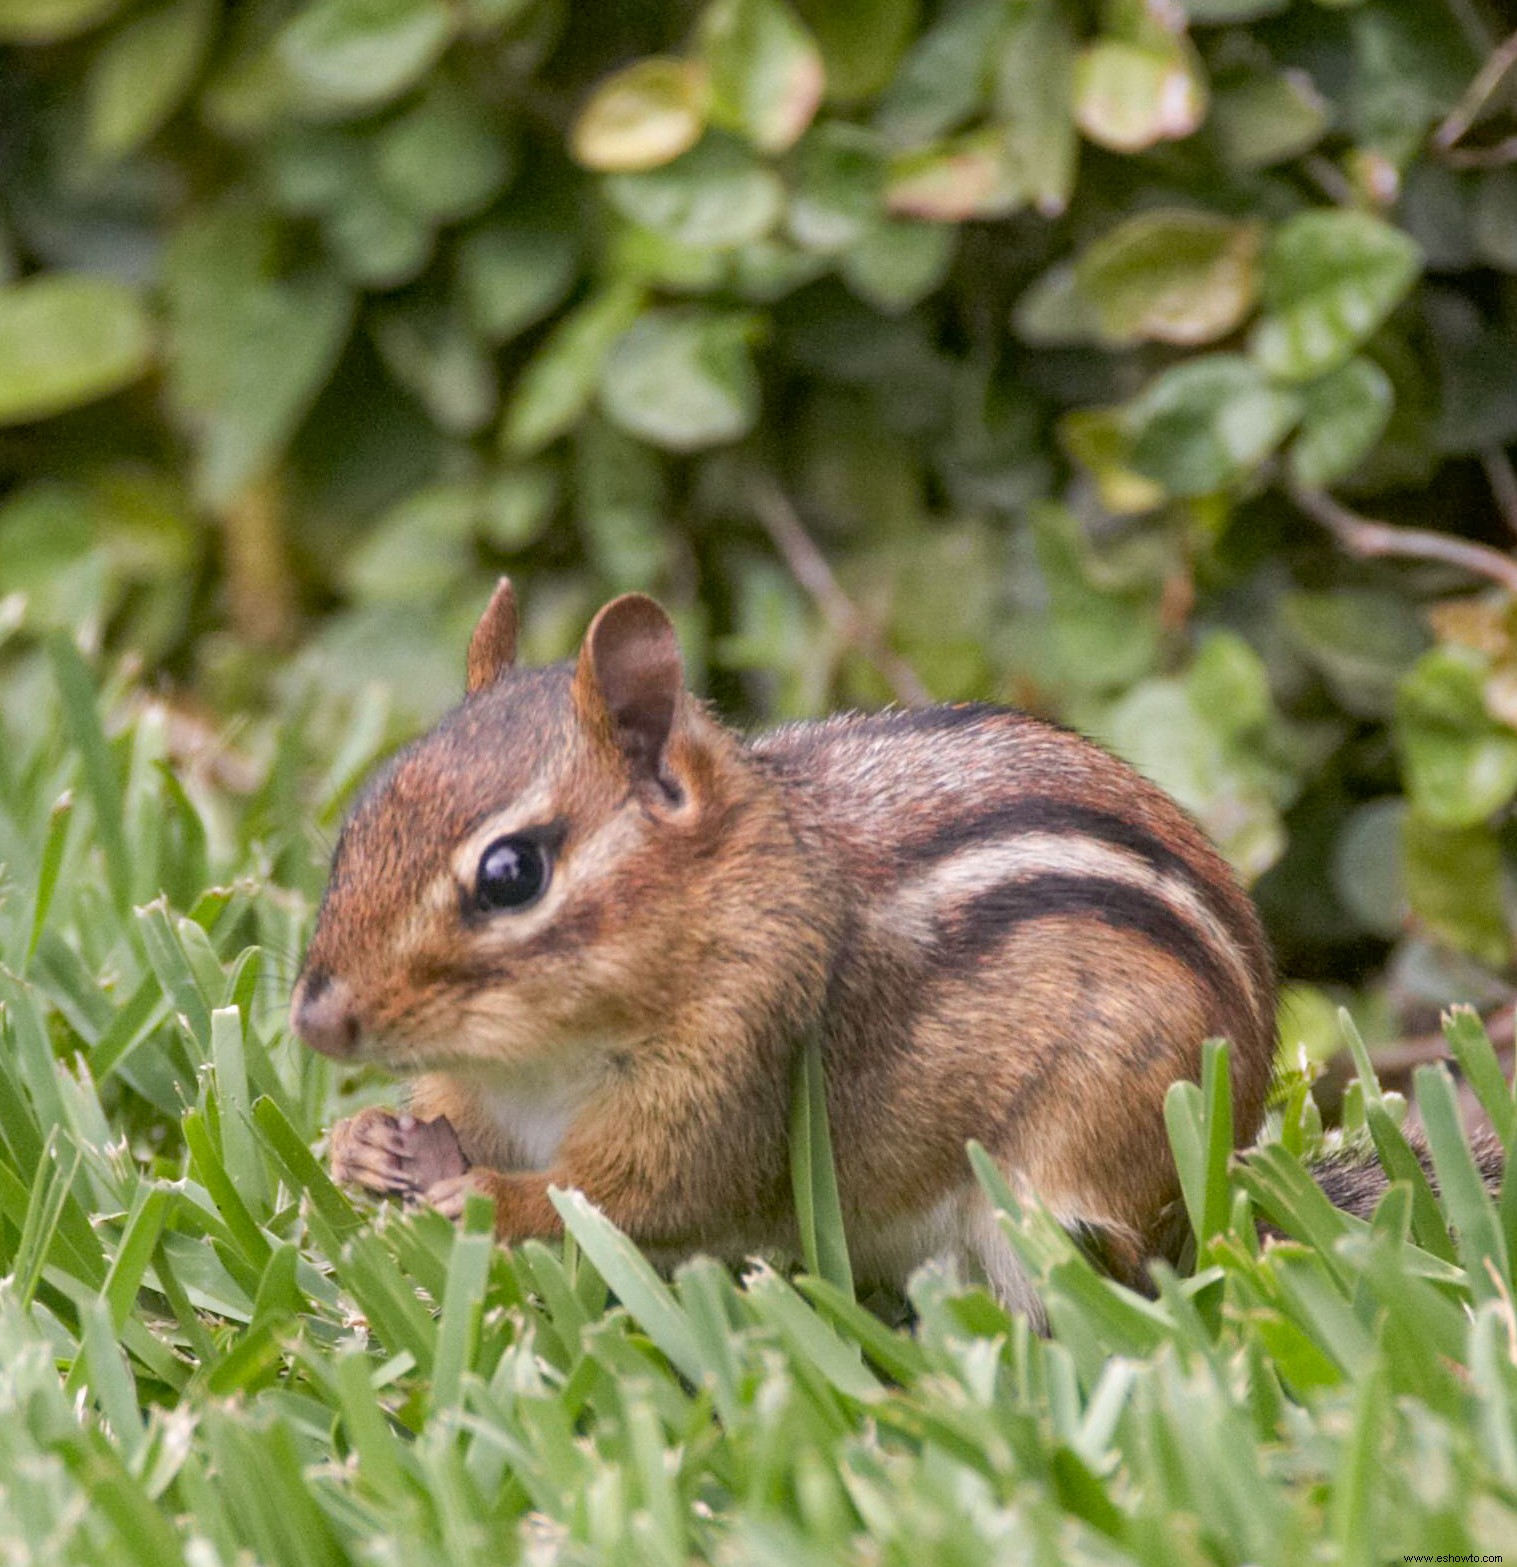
(1048, 324)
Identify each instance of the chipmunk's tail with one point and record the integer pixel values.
(1355, 1182)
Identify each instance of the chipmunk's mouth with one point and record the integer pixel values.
(324, 1015)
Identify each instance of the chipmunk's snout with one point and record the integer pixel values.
(323, 1014)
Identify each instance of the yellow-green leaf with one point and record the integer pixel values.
(67, 339)
(44, 21)
(1172, 276)
(143, 72)
(1130, 95)
(642, 117)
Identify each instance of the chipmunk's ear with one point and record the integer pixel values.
(629, 678)
(492, 648)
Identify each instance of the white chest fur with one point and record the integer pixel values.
(533, 1113)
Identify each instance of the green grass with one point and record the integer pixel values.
(210, 1355)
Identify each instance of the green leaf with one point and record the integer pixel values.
(1264, 120)
(418, 551)
(67, 340)
(838, 188)
(345, 56)
(1460, 762)
(1476, 384)
(1099, 439)
(1368, 876)
(444, 159)
(861, 42)
(644, 116)
(251, 346)
(1106, 634)
(1054, 312)
(764, 69)
(1330, 279)
(1342, 416)
(434, 354)
(377, 241)
(513, 272)
(683, 379)
(110, 1378)
(623, 499)
(1207, 424)
(144, 71)
(1217, 11)
(560, 379)
(1171, 276)
(945, 77)
(1178, 734)
(45, 21)
(716, 196)
(1453, 885)
(1034, 101)
(899, 263)
(1362, 642)
(1129, 95)
(517, 504)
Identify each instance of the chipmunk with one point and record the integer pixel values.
(592, 922)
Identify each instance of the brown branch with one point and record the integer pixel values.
(1502, 479)
(1464, 113)
(809, 568)
(1496, 156)
(260, 586)
(1367, 539)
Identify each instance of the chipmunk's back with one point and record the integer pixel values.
(1041, 941)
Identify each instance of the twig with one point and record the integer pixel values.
(1486, 80)
(1402, 1058)
(1496, 156)
(1502, 479)
(1367, 539)
(809, 568)
(260, 586)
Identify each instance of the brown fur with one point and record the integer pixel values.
(1001, 932)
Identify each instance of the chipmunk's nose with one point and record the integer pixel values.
(323, 1014)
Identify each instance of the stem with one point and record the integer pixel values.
(1367, 539)
(259, 585)
(1503, 482)
(1496, 156)
(809, 568)
(1474, 98)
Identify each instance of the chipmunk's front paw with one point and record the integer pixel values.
(395, 1155)
(449, 1194)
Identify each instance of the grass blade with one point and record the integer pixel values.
(53, 846)
(1200, 1125)
(632, 1277)
(102, 783)
(813, 1174)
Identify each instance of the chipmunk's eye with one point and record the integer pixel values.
(513, 872)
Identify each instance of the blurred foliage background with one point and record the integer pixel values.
(1150, 365)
